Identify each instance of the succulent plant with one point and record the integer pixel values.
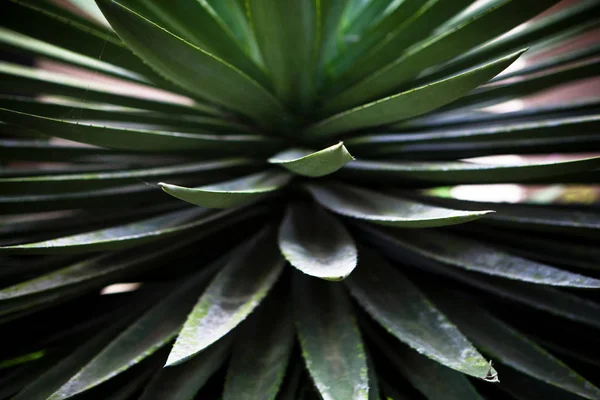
(274, 181)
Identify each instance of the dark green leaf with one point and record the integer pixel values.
(400, 307)
(231, 296)
(261, 353)
(441, 47)
(198, 23)
(406, 104)
(69, 181)
(432, 379)
(387, 210)
(201, 73)
(279, 27)
(153, 330)
(182, 382)
(34, 81)
(231, 193)
(128, 235)
(522, 387)
(510, 347)
(331, 344)
(464, 172)
(313, 164)
(541, 297)
(474, 256)
(316, 243)
(139, 139)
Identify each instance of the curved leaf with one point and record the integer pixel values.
(157, 327)
(317, 164)
(231, 296)
(541, 297)
(128, 235)
(33, 80)
(432, 379)
(231, 193)
(140, 139)
(508, 346)
(279, 27)
(473, 256)
(184, 381)
(406, 104)
(386, 210)
(522, 387)
(447, 43)
(257, 367)
(200, 73)
(331, 344)
(464, 172)
(400, 307)
(316, 243)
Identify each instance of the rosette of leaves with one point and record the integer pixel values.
(264, 169)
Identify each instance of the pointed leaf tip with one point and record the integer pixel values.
(313, 164)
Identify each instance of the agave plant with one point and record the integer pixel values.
(274, 178)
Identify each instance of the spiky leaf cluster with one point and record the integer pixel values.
(275, 174)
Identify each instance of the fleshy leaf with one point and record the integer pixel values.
(231, 193)
(407, 104)
(464, 172)
(400, 307)
(190, 67)
(316, 243)
(184, 381)
(257, 367)
(474, 256)
(122, 236)
(421, 371)
(317, 164)
(387, 210)
(331, 344)
(510, 347)
(153, 330)
(231, 296)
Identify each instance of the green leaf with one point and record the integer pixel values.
(102, 269)
(317, 244)
(280, 27)
(203, 74)
(407, 24)
(441, 47)
(198, 23)
(184, 381)
(34, 81)
(157, 327)
(541, 297)
(400, 307)
(406, 104)
(50, 381)
(544, 129)
(464, 172)
(140, 139)
(131, 234)
(386, 210)
(313, 164)
(510, 347)
(12, 41)
(73, 109)
(257, 368)
(231, 296)
(52, 24)
(61, 182)
(471, 255)
(432, 379)
(331, 344)
(231, 193)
